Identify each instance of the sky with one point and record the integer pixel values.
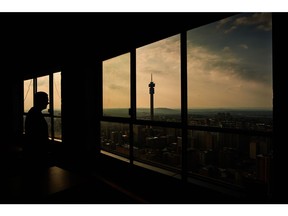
(229, 65)
(43, 85)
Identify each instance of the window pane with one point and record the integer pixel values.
(28, 94)
(116, 86)
(57, 93)
(115, 138)
(237, 159)
(158, 80)
(57, 128)
(230, 73)
(57, 99)
(158, 146)
(43, 85)
(48, 120)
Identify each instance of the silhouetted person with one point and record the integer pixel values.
(36, 147)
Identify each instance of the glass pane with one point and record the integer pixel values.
(242, 160)
(57, 93)
(230, 73)
(43, 85)
(116, 86)
(48, 120)
(158, 80)
(57, 128)
(159, 146)
(28, 94)
(115, 138)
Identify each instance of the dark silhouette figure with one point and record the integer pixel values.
(36, 146)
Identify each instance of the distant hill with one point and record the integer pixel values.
(252, 112)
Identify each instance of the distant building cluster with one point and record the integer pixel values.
(227, 157)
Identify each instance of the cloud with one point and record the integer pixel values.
(217, 79)
(226, 49)
(226, 63)
(223, 22)
(232, 28)
(162, 59)
(159, 58)
(116, 87)
(244, 46)
(261, 21)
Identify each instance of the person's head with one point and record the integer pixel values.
(41, 100)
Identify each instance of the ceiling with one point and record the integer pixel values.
(34, 41)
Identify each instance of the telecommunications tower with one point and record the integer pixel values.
(151, 92)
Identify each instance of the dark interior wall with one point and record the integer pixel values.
(79, 115)
(7, 114)
(280, 106)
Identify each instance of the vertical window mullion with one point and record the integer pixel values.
(51, 105)
(132, 101)
(99, 93)
(183, 62)
(34, 88)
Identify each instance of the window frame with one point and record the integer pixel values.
(50, 114)
(183, 125)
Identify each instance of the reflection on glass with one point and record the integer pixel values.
(230, 73)
(115, 138)
(43, 85)
(28, 94)
(116, 86)
(158, 80)
(158, 145)
(231, 158)
(48, 120)
(57, 128)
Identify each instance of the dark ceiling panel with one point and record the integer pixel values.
(33, 41)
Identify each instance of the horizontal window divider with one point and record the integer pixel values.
(189, 127)
(158, 165)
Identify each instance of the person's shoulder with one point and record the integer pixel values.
(32, 111)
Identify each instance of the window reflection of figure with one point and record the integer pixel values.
(36, 132)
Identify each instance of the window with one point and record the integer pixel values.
(223, 73)
(51, 84)
(229, 67)
(158, 80)
(116, 86)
